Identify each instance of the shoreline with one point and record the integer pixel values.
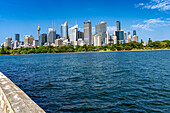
(135, 50)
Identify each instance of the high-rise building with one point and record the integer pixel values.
(16, 44)
(8, 42)
(126, 37)
(28, 40)
(129, 38)
(128, 33)
(64, 30)
(73, 33)
(101, 29)
(35, 43)
(88, 32)
(43, 39)
(97, 40)
(134, 32)
(17, 37)
(58, 42)
(80, 35)
(112, 40)
(107, 38)
(135, 38)
(51, 36)
(120, 36)
(118, 26)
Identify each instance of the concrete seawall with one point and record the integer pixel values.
(14, 100)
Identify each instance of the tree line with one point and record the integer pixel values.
(70, 48)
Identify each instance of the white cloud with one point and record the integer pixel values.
(161, 5)
(153, 21)
(150, 24)
(111, 29)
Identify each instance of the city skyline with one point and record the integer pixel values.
(143, 16)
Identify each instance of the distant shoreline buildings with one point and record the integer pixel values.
(72, 36)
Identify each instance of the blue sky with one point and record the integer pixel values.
(151, 18)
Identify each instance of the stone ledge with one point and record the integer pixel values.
(14, 100)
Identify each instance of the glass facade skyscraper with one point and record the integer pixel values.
(64, 30)
(88, 32)
(43, 39)
(17, 37)
(134, 32)
(101, 29)
(118, 26)
(120, 35)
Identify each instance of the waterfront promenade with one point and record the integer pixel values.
(14, 100)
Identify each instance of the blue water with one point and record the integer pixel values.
(93, 82)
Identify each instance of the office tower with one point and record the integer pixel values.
(73, 35)
(134, 32)
(80, 42)
(97, 40)
(107, 38)
(101, 29)
(114, 38)
(57, 36)
(38, 32)
(129, 38)
(43, 39)
(35, 43)
(80, 35)
(126, 37)
(58, 42)
(88, 32)
(8, 42)
(120, 36)
(17, 37)
(128, 33)
(51, 36)
(28, 40)
(135, 38)
(118, 26)
(64, 30)
(16, 44)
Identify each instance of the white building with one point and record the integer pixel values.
(35, 43)
(73, 35)
(135, 38)
(16, 44)
(8, 42)
(51, 36)
(58, 42)
(107, 38)
(97, 40)
(81, 42)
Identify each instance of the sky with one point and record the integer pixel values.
(151, 18)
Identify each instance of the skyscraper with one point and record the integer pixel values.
(17, 37)
(8, 42)
(128, 33)
(134, 32)
(73, 35)
(28, 40)
(118, 26)
(64, 30)
(135, 38)
(88, 32)
(120, 36)
(101, 29)
(43, 39)
(51, 35)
